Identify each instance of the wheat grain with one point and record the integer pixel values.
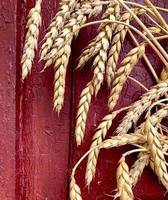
(83, 108)
(117, 41)
(124, 186)
(123, 72)
(66, 7)
(156, 153)
(75, 193)
(103, 38)
(31, 40)
(164, 74)
(154, 30)
(139, 107)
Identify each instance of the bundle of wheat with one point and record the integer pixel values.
(115, 24)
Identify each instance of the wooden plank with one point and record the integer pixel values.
(104, 184)
(7, 99)
(43, 142)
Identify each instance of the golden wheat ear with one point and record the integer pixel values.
(103, 39)
(31, 40)
(118, 39)
(123, 72)
(61, 49)
(124, 187)
(156, 153)
(75, 193)
(58, 22)
(140, 106)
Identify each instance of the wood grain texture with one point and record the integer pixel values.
(7, 98)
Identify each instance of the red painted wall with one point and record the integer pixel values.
(37, 149)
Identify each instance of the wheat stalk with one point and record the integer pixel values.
(83, 108)
(156, 153)
(123, 72)
(139, 107)
(66, 7)
(103, 38)
(116, 44)
(33, 24)
(124, 186)
(154, 43)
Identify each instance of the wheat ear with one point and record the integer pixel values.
(98, 138)
(61, 51)
(123, 72)
(95, 83)
(31, 40)
(83, 108)
(100, 60)
(103, 38)
(156, 153)
(75, 193)
(138, 167)
(66, 7)
(139, 107)
(116, 44)
(114, 141)
(124, 186)
(83, 11)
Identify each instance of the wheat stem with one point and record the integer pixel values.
(156, 24)
(158, 15)
(137, 82)
(163, 59)
(144, 57)
(163, 52)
